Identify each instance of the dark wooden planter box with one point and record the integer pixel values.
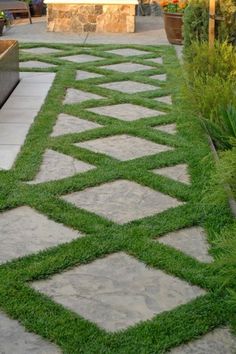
(173, 26)
(9, 68)
(2, 23)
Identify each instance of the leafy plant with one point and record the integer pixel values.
(174, 6)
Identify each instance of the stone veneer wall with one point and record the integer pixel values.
(91, 18)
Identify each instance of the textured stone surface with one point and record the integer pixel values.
(156, 60)
(124, 147)
(192, 241)
(41, 50)
(127, 67)
(128, 52)
(56, 166)
(8, 155)
(117, 291)
(178, 173)
(67, 124)
(24, 231)
(78, 96)
(36, 64)
(220, 341)
(84, 75)
(164, 99)
(167, 128)
(79, 18)
(126, 111)
(15, 339)
(82, 58)
(160, 77)
(13, 133)
(122, 201)
(129, 86)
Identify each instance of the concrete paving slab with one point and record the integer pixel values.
(178, 173)
(167, 128)
(129, 86)
(41, 51)
(164, 99)
(84, 75)
(126, 67)
(81, 58)
(13, 133)
(8, 155)
(77, 96)
(128, 52)
(34, 64)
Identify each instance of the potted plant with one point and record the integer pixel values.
(173, 19)
(36, 8)
(4, 21)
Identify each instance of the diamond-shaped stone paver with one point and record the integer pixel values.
(117, 291)
(41, 50)
(82, 58)
(160, 77)
(156, 60)
(84, 75)
(122, 201)
(178, 173)
(167, 128)
(24, 231)
(128, 52)
(126, 111)
(126, 67)
(164, 99)
(192, 241)
(56, 166)
(219, 341)
(129, 86)
(36, 64)
(67, 124)
(124, 147)
(15, 339)
(78, 96)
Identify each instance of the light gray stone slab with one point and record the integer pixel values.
(13, 133)
(117, 291)
(128, 52)
(178, 173)
(129, 86)
(17, 116)
(219, 341)
(126, 111)
(192, 241)
(82, 58)
(167, 128)
(36, 64)
(164, 99)
(156, 60)
(84, 75)
(17, 103)
(37, 77)
(160, 77)
(24, 231)
(15, 339)
(26, 90)
(56, 166)
(127, 67)
(8, 154)
(124, 147)
(41, 50)
(122, 201)
(78, 96)
(67, 124)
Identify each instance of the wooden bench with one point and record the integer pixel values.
(15, 7)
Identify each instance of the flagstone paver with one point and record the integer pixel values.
(82, 58)
(192, 241)
(128, 52)
(167, 128)
(178, 173)
(117, 291)
(156, 60)
(126, 111)
(127, 67)
(129, 86)
(124, 147)
(122, 201)
(36, 64)
(41, 50)
(219, 341)
(84, 75)
(67, 124)
(15, 339)
(78, 96)
(24, 231)
(160, 77)
(56, 166)
(164, 99)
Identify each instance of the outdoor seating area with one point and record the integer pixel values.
(117, 179)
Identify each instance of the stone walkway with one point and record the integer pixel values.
(117, 290)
